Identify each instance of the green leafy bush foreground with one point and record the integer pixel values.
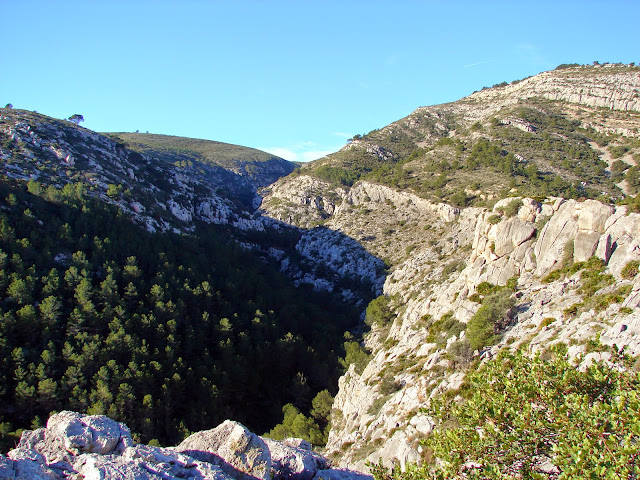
(529, 418)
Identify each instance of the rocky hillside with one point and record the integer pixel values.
(480, 211)
(554, 272)
(95, 447)
(153, 190)
(571, 132)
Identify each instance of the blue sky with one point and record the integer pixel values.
(295, 78)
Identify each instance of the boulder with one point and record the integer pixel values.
(593, 215)
(511, 233)
(554, 237)
(604, 248)
(6, 468)
(239, 452)
(297, 443)
(294, 462)
(396, 450)
(584, 245)
(529, 210)
(626, 249)
(69, 433)
(26, 464)
(501, 204)
(423, 423)
(98, 467)
(94, 447)
(341, 474)
(620, 224)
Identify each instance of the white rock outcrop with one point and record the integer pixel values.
(94, 447)
(240, 452)
(535, 240)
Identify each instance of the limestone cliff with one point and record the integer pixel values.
(441, 258)
(566, 268)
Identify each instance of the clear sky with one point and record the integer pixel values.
(295, 78)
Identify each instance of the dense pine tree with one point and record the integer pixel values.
(164, 332)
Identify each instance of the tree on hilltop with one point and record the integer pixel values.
(76, 118)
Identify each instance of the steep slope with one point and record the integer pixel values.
(464, 203)
(570, 281)
(174, 184)
(149, 189)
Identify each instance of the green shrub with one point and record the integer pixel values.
(389, 386)
(576, 267)
(460, 351)
(601, 302)
(572, 310)
(619, 166)
(356, 354)
(459, 199)
(618, 151)
(593, 277)
(519, 410)
(483, 327)
(562, 66)
(511, 208)
(441, 330)
(630, 270)
(476, 297)
(512, 283)
(485, 288)
(378, 311)
(547, 321)
(296, 424)
(493, 219)
(336, 175)
(454, 266)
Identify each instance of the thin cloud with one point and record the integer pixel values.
(285, 153)
(303, 152)
(477, 63)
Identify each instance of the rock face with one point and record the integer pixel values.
(94, 447)
(597, 89)
(377, 413)
(439, 256)
(238, 451)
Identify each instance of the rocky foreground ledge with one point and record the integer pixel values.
(95, 447)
